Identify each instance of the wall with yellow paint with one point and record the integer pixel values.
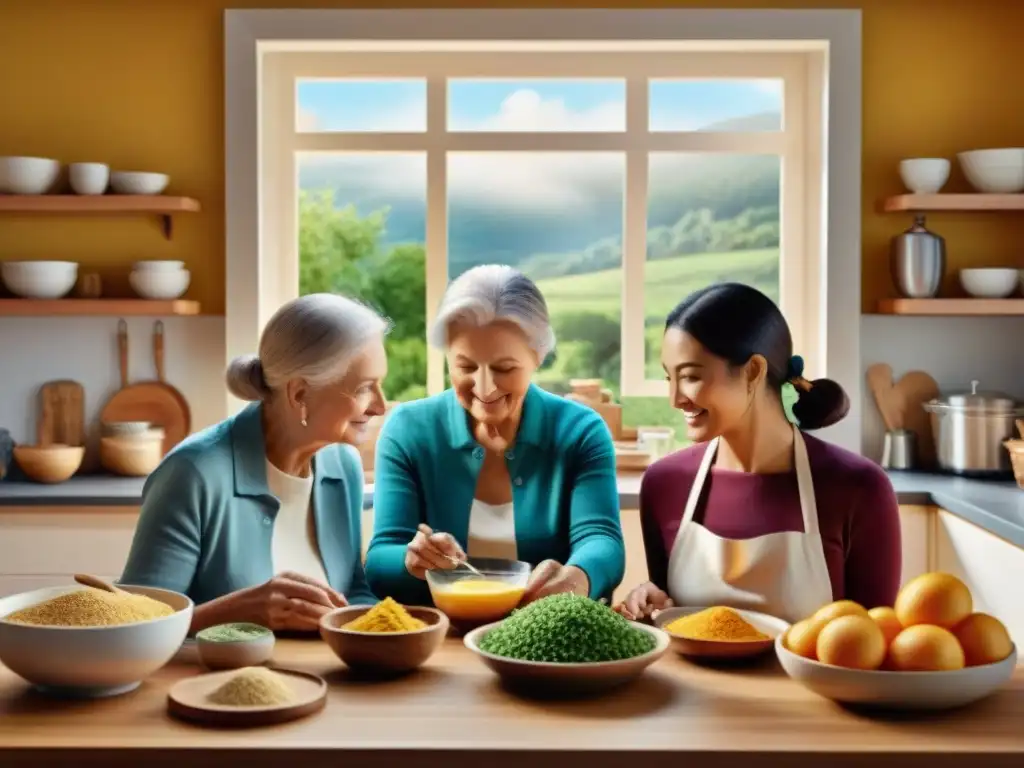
(140, 85)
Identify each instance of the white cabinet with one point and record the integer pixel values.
(916, 524)
(991, 567)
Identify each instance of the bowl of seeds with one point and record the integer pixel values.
(567, 644)
(87, 642)
(234, 646)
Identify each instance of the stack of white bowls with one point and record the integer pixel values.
(164, 280)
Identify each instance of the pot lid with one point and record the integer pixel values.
(980, 400)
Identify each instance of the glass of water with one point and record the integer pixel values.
(657, 441)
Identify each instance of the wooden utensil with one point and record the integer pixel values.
(97, 583)
(879, 378)
(910, 393)
(154, 401)
(61, 414)
(189, 699)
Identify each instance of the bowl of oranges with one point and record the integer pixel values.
(930, 650)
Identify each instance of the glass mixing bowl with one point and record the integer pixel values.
(472, 600)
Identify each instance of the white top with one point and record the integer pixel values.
(782, 574)
(293, 544)
(492, 531)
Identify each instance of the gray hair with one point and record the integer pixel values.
(491, 292)
(313, 337)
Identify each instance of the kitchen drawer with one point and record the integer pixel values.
(55, 540)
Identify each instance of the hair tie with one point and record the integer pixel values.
(795, 373)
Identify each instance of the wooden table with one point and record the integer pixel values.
(452, 714)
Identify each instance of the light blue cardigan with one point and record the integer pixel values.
(564, 494)
(208, 515)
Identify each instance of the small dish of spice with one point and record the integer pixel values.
(233, 646)
(385, 638)
(720, 632)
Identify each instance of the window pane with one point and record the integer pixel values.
(537, 105)
(360, 106)
(361, 232)
(715, 105)
(558, 218)
(711, 218)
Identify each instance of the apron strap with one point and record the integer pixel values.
(805, 483)
(698, 483)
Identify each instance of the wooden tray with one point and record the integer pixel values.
(187, 700)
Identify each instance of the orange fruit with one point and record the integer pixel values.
(802, 637)
(939, 599)
(854, 642)
(840, 608)
(925, 648)
(886, 620)
(984, 639)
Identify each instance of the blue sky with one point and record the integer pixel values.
(517, 105)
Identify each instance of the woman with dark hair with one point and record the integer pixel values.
(757, 514)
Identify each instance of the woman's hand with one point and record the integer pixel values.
(291, 601)
(429, 551)
(552, 578)
(643, 602)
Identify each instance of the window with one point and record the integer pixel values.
(620, 181)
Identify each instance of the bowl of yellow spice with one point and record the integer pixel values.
(385, 638)
(85, 642)
(720, 632)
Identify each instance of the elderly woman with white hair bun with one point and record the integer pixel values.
(258, 518)
(495, 466)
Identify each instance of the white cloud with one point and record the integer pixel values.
(525, 110)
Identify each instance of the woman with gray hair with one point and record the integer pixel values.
(258, 518)
(495, 466)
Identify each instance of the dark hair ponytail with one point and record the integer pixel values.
(735, 322)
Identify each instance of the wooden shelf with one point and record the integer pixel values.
(96, 307)
(967, 202)
(951, 307)
(162, 206)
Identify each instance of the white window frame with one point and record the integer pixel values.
(261, 256)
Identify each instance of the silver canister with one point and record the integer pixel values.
(918, 262)
(969, 430)
(899, 451)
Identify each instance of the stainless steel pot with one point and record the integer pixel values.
(969, 429)
(917, 261)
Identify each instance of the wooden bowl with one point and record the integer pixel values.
(392, 652)
(133, 457)
(49, 463)
(723, 649)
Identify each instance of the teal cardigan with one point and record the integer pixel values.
(564, 494)
(208, 515)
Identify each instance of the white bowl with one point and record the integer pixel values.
(158, 266)
(91, 661)
(567, 679)
(28, 175)
(995, 283)
(924, 175)
(994, 171)
(39, 279)
(138, 182)
(88, 178)
(159, 284)
(897, 690)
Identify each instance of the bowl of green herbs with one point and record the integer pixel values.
(567, 645)
(235, 645)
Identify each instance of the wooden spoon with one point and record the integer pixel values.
(98, 583)
(880, 383)
(1020, 428)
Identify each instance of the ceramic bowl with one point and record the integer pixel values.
(392, 652)
(924, 175)
(723, 649)
(28, 175)
(897, 690)
(119, 428)
(91, 661)
(218, 654)
(132, 455)
(159, 283)
(550, 678)
(88, 178)
(158, 265)
(467, 611)
(138, 182)
(39, 279)
(49, 463)
(994, 171)
(994, 283)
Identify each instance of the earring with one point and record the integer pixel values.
(302, 418)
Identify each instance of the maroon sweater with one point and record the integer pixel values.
(858, 515)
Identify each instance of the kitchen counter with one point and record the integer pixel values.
(997, 507)
(452, 712)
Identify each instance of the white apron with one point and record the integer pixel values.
(781, 574)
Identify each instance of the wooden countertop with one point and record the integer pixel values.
(453, 713)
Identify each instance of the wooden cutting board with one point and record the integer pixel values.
(912, 391)
(61, 413)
